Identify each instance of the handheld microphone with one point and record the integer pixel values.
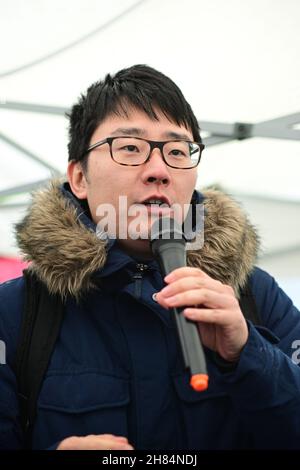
(168, 247)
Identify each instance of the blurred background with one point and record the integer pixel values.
(236, 62)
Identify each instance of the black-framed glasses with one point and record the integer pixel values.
(134, 151)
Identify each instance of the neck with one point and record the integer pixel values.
(136, 248)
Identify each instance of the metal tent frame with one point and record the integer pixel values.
(220, 132)
(284, 127)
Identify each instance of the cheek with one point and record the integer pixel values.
(111, 191)
(184, 191)
(185, 188)
(193, 179)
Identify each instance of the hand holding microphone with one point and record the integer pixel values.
(194, 295)
(168, 247)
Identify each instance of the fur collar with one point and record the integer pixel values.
(64, 253)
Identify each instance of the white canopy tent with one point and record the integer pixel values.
(236, 62)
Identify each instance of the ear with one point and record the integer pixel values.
(77, 179)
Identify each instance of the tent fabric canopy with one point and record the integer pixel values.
(236, 62)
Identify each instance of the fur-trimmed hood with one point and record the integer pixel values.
(65, 253)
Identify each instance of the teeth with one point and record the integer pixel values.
(155, 201)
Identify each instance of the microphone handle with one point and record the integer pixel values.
(173, 256)
(192, 349)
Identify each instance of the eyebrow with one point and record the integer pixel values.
(176, 135)
(136, 131)
(129, 131)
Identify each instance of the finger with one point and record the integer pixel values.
(120, 446)
(221, 317)
(205, 315)
(191, 283)
(112, 442)
(111, 436)
(103, 442)
(207, 297)
(185, 271)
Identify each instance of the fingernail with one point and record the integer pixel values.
(166, 290)
(169, 277)
(188, 313)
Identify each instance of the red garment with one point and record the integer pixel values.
(11, 268)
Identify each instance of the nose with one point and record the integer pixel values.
(155, 169)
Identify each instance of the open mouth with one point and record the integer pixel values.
(156, 202)
(154, 206)
(157, 207)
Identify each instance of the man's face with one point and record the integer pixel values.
(105, 180)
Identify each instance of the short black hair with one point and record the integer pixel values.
(139, 86)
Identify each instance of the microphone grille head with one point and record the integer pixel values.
(166, 228)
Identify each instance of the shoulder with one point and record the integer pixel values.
(261, 282)
(266, 289)
(11, 307)
(275, 307)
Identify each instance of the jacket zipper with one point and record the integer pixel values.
(133, 426)
(138, 278)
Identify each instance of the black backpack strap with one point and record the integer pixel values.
(42, 318)
(248, 305)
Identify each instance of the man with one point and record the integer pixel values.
(116, 378)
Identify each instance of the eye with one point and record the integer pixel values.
(177, 153)
(177, 149)
(130, 148)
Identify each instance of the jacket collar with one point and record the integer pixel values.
(59, 238)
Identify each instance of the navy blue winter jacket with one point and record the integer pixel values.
(117, 365)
